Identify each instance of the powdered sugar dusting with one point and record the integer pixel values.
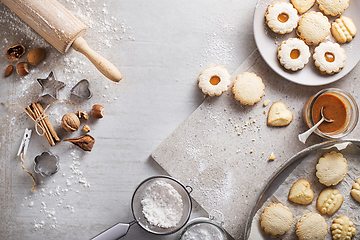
(162, 205)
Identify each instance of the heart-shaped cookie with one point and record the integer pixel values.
(301, 192)
(279, 115)
(302, 5)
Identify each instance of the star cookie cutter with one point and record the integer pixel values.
(46, 164)
(50, 86)
(82, 89)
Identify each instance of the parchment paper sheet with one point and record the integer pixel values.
(307, 170)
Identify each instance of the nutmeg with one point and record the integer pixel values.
(14, 52)
(22, 69)
(97, 111)
(70, 122)
(35, 56)
(8, 70)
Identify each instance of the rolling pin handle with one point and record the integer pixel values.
(102, 64)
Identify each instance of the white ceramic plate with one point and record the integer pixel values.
(268, 42)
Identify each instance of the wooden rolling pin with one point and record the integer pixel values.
(61, 29)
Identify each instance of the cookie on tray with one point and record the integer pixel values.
(293, 54)
(311, 226)
(342, 228)
(333, 7)
(302, 6)
(214, 80)
(329, 201)
(276, 219)
(248, 88)
(281, 17)
(313, 28)
(329, 57)
(331, 168)
(301, 192)
(355, 191)
(343, 29)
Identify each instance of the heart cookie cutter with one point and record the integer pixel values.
(46, 164)
(82, 89)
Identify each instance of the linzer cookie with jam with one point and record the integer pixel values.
(329, 58)
(313, 28)
(293, 54)
(281, 17)
(214, 80)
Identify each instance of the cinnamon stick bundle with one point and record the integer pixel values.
(37, 113)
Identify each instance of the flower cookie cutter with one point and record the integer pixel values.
(46, 164)
(82, 89)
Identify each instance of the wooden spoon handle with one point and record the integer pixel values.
(102, 64)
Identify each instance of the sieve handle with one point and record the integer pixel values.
(117, 231)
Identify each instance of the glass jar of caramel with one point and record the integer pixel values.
(338, 106)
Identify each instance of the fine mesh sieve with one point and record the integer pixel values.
(120, 229)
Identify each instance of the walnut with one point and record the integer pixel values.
(14, 52)
(70, 122)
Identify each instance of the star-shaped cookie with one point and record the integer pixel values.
(50, 86)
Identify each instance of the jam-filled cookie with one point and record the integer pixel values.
(333, 7)
(293, 54)
(329, 57)
(281, 17)
(313, 28)
(214, 80)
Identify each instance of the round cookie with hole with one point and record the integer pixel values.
(214, 80)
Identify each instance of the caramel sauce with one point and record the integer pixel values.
(334, 108)
(329, 57)
(294, 54)
(214, 80)
(283, 17)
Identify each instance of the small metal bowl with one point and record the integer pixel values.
(203, 228)
(46, 164)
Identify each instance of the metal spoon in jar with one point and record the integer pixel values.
(305, 135)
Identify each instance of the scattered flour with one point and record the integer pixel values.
(162, 205)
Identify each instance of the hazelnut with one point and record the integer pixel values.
(97, 111)
(14, 52)
(70, 122)
(86, 128)
(82, 114)
(22, 69)
(35, 56)
(8, 70)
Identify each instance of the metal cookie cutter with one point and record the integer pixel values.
(50, 86)
(46, 164)
(82, 89)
